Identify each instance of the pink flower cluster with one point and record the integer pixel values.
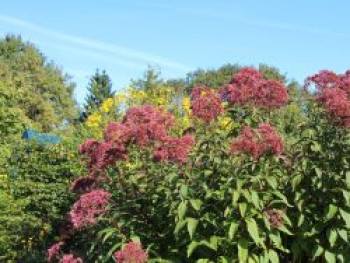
(258, 142)
(248, 87)
(54, 252)
(174, 149)
(131, 253)
(88, 208)
(333, 94)
(206, 104)
(275, 217)
(148, 123)
(69, 258)
(144, 126)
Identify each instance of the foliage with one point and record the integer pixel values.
(34, 198)
(42, 93)
(260, 190)
(99, 89)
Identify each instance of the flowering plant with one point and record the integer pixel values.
(247, 193)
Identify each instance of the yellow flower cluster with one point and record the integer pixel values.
(94, 120)
(107, 105)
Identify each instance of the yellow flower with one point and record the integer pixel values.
(138, 94)
(186, 122)
(224, 122)
(107, 105)
(119, 98)
(186, 104)
(94, 120)
(161, 101)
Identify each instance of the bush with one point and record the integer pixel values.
(246, 189)
(34, 198)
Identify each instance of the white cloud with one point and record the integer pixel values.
(97, 45)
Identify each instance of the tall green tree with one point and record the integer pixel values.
(99, 89)
(42, 92)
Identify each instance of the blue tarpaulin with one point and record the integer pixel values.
(42, 138)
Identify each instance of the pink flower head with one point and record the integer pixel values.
(83, 184)
(148, 123)
(69, 258)
(248, 87)
(131, 253)
(117, 132)
(275, 217)
(333, 94)
(258, 142)
(270, 140)
(89, 206)
(206, 104)
(174, 149)
(54, 251)
(88, 146)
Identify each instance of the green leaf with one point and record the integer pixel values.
(346, 195)
(242, 209)
(296, 181)
(182, 209)
(235, 197)
(253, 230)
(343, 234)
(348, 178)
(285, 230)
(179, 226)
(272, 181)
(191, 247)
(316, 147)
(332, 236)
(316, 251)
(273, 256)
(318, 172)
(196, 204)
(255, 199)
(243, 250)
(346, 216)
(330, 257)
(233, 230)
(191, 226)
(184, 191)
(330, 212)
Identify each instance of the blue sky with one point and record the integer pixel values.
(124, 36)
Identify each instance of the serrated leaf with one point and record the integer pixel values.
(179, 226)
(191, 247)
(318, 172)
(343, 234)
(191, 226)
(243, 250)
(332, 236)
(346, 216)
(182, 209)
(285, 230)
(296, 181)
(235, 197)
(255, 199)
(271, 180)
(184, 191)
(196, 204)
(330, 212)
(316, 251)
(242, 209)
(348, 178)
(253, 230)
(330, 257)
(273, 256)
(232, 230)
